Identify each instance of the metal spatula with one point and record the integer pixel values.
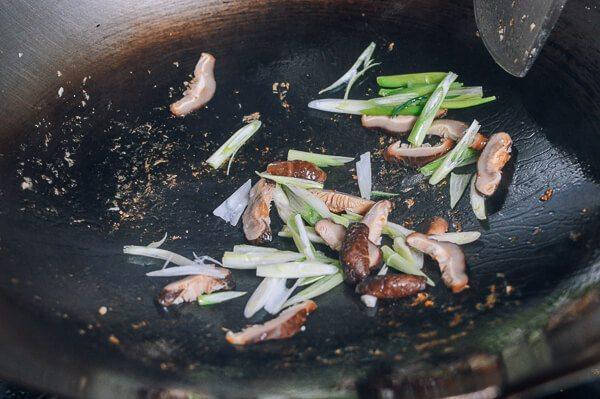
(514, 31)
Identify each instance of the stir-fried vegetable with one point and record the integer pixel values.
(309, 280)
(421, 88)
(459, 238)
(363, 172)
(419, 130)
(310, 206)
(159, 243)
(393, 260)
(233, 144)
(282, 203)
(218, 297)
(189, 270)
(363, 59)
(312, 235)
(383, 194)
(244, 248)
(261, 295)
(300, 237)
(291, 181)
(390, 229)
(368, 65)
(251, 260)
(157, 253)
(321, 160)
(279, 296)
(296, 270)
(467, 157)
(477, 201)
(232, 208)
(460, 92)
(458, 184)
(323, 285)
(410, 79)
(466, 102)
(454, 157)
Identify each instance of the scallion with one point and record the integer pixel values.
(477, 201)
(233, 144)
(454, 157)
(321, 160)
(383, 194)
(296, 270)
(410, 79)
(458, 184)
(291, 181)
(363, 59)
(218, 297)
(467, 157)
(312, 235)
(251, 260)
(393, 260)
(320, 287)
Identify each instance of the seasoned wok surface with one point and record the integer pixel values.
(60, 242)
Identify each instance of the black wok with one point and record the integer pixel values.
(61, 240)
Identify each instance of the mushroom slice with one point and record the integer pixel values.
(340, 202)
(189, 288)
(417, 156)
(256, 219)
(299, 169)
(454, 130)
(491, 161)
(376, 219)
(392, 285)
(333, 234)
(438, 225)
(358, 256)
(286, 325)
(394, 124)
(449, 257)
(201, 89)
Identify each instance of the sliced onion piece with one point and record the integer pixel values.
(322, 286)
(363, 172)
(458, 185)
(296, 270)
(261, 295)
(393, 260)
(363, 59)
(251, 260)
(189, 270)
(157, 244)
(459, 238)
(218, 297)
(291, 181)
(244, 248)
(477, 201)
(453, 158)
(369, 300)
(232, 208)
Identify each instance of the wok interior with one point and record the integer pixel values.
(120, 170)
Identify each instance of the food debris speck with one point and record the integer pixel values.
(509, 289)
(58, 73)
(113, 340)
(532, 27)
(391, 46)
(252, 117)
(60, 91)
(20, 55)
(27, 184)
(102, 310)
(547, 194)
(176, 64)
(409, 202)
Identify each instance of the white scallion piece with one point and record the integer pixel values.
(369, 300)
(233, 144)
(395, 261)
(321, 160)
(296, 270)
(309, 280)
(189, 270)
(282, 203)
(243, 248)
(311, 200)
(291, 181)
(458, 185)
(250, 260)
(300, 237)
(232, 208)
(363, 172)
(322, 286)
(363, 59)
(477, 201)
(340, 106)
(157, 244)
(275, 304)
(261, 295)
(218, 297)
(411, 255)
(423, 123)
(459, 238)
(452, 159)
(157, 253)
(312, 235)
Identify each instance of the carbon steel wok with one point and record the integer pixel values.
(529, 323)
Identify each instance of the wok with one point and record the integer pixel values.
(108, 167)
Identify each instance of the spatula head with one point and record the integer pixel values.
(514, 31)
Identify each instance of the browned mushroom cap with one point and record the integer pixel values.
(392, 285)
(376, 219)
(299, 169)
(340, 202)
(256, 219)
(417, 156)
(454, 130)
(449, 257)
(394, 124)
(437, 225)
(201, 89)
(491, 161)
(189, 288)
(333, 234)
(286, 325)
(356, 254)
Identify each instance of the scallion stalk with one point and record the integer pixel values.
(312, 235)
(321, 160)
(233, 144)
(320, 287)
(477, 200)
(363, 59)
(454, 157)
(458, 184)
(300, 237)
(468, 156)
(466, 102)
(410, 79)
(424, 88)
(393, 260)
(218, 297)
(291, 181)
(296, 270)
(251, 260)
(245, 248)
(419, 130)
(383, 194)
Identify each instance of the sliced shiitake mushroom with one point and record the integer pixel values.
(491, 161)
